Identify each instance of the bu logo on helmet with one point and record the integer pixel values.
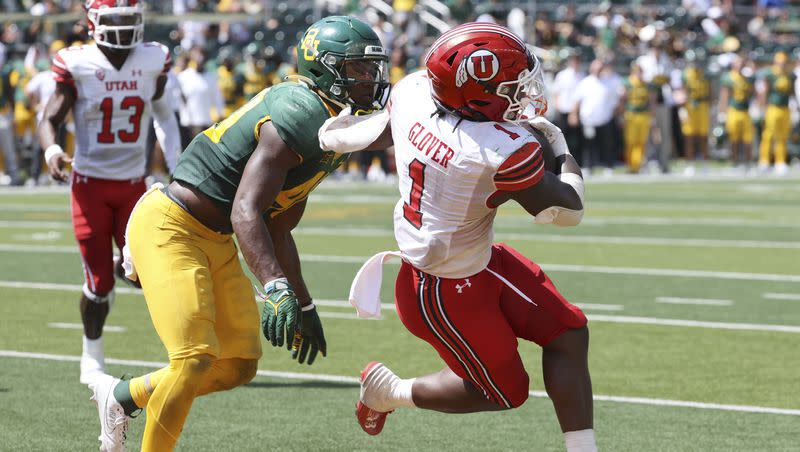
(482, 65)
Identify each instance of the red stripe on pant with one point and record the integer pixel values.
(438, 322)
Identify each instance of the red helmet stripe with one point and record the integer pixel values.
(475, 27)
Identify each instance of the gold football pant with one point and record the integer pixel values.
(739, 126)
(698, 121)
(637, 129)
(202, 307)
(777, 125)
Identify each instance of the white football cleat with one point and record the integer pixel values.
(377, 381)
(113, 421)
(781, 169)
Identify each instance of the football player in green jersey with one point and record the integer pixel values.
(249, 174)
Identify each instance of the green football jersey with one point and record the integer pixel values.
(779, 87)
(638, 94)
(741, 89)
(215, 159)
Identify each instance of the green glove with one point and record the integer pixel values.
(281, 312)
(310, 339)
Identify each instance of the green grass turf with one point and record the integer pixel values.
(43, 407)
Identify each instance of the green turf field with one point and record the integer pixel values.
(692, 289)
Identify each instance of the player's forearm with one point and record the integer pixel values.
(48, 132)
(256, 244)
(289, 259)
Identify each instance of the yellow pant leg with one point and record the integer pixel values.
(637, 129)
(697, 122)
(777, 126)
(175, 257)
(739, 126)
(237, 317)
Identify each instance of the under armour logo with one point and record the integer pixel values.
(460, 287)
(136, 72)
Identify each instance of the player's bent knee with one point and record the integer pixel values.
(194, 367)
(246, 371)
(570, 340)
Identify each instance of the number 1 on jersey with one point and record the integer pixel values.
(411, 209)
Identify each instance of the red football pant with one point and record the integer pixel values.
(100, 211)
(474, 322)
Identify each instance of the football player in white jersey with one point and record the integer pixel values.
(113, 87)
(463, 146)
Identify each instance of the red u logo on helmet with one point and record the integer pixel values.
(483, 65)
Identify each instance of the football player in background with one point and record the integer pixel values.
(112, 86)
(638, 98)
(775, 88)
(463, 148)
(249, 174)
(736, 91)
(696, 122)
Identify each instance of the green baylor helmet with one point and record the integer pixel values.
(345, 59)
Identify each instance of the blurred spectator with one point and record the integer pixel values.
(38, 91)
(564, 90)
(8, 175)
(656, 68)
(202, 100)
(595, 106)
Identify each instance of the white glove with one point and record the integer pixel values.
(347, 133)
(553, 134)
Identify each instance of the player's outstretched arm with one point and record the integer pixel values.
(311, 338)
(55, 112)
(262, 179)
(348, 133)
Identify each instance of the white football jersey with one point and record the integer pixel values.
(448, 171)
(112, 109)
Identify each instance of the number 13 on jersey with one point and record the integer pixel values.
(411, 209)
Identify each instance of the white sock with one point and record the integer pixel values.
(401, 393)
(580, 441)
(384, 391)
(93, 360)
(93, 347)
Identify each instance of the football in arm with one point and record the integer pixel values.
(550, 162)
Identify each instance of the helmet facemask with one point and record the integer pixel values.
(360, 81)
(525, 95)
(117, 27)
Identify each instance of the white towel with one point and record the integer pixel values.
(365, 292)
(127, 259)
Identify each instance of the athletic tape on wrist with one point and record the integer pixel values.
(307, 307)
(51, 151)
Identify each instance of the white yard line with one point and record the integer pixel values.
(15, 224)
(694, 323)
(694, 301)
(355, 381)
(782, 296)
(36, 207)
(569, 268)
(78, 326)
(390, 306)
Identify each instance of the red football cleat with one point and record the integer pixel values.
(371, 421)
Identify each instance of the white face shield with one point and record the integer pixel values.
(118, 27)
(524, 95)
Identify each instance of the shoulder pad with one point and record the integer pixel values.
(297, 114)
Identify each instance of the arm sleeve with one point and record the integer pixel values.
(522, 169)
(167, 133)
(61, 71)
